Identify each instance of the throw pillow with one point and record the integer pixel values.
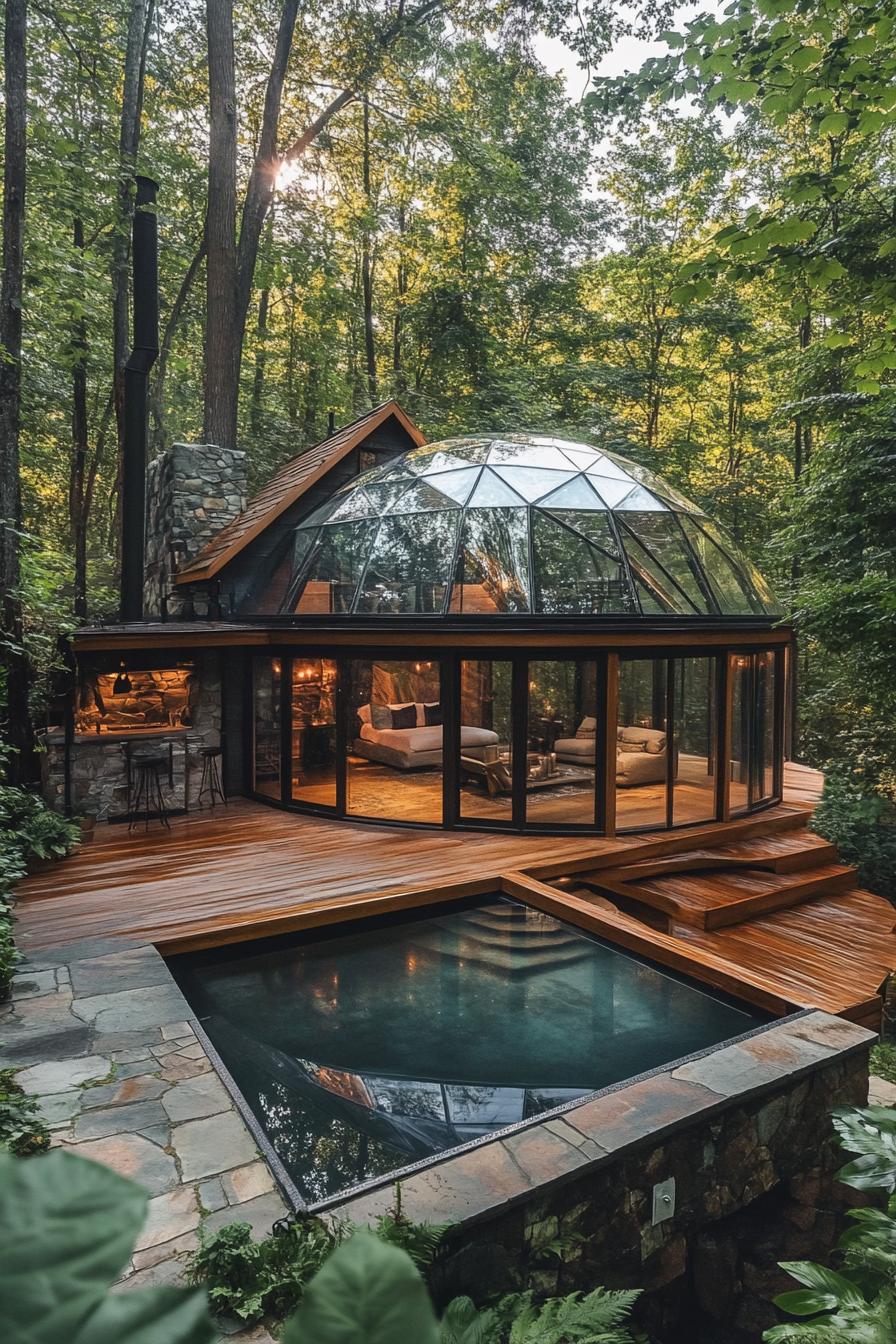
(381, 716)
(405, 717)
(628, 748)
(432, 715)
(587, 728)
(656, 745)
(364, 714)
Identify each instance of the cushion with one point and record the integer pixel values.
(432, 714)
(587, 728)
(628, 748)
(364, 714)
(404, 717)
(380, 716)
(656, 743)
(634, 735)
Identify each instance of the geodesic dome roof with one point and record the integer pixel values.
(515, 524)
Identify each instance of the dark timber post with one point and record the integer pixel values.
(145, 252)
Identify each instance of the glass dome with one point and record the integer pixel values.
(515, 524)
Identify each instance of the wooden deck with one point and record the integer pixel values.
(250, 870)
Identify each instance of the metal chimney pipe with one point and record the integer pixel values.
(145, 258)
(331, 424)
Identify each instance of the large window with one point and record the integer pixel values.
(313, 754)
(486, 741)
(694, 717)
(266, 718)
(394, 739)
(563, 742)
(642, 745)
(753, 730)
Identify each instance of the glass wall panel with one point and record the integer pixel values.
(641, 744)
(486, 740)
(739, 729)
(694, 720)
(763, 781)
(394, 740)
(563, 742)
(266, 720)
(314, 764)
(661, 536)
(572, 577)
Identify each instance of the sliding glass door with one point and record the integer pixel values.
(755, 692)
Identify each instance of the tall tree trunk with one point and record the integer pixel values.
(256, 409)
(802, 451)
(221, 359)
(157, 384)
(366, 266)
(78, 479)
(134, 79)
(18, 719)
(399, 379)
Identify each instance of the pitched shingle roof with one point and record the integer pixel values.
(286, 486)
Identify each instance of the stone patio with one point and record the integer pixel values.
(103, 1037)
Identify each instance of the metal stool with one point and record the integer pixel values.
(148, 798)
(211, 777)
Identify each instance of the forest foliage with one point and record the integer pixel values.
(401, 200)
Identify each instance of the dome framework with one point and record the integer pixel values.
(513, 525)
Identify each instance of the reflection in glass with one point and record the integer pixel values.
(563, 742)
(314, 764)
(409, 567)
(335, 566)
(641, 744)
(661, 536)
(739, 730)
(694, 717)
(763, 782)
(266, 675)
(493, 563)
(572, 577)
(363, 1052)
(486, 738)
(394, 735)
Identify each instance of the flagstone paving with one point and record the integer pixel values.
(103, 1038)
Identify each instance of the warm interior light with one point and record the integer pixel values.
(122, 683)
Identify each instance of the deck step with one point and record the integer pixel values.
(715, 900)
(789, 852)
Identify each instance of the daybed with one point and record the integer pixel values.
(407, 748)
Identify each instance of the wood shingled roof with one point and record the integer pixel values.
(287, 485)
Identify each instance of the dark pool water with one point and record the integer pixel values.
(361, 1052)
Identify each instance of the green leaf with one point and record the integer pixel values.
(887, 247)
(162, 1315)
(67, 1228)
(804, 1303)
(835, 123)
(366, 1293)
(807, 56)
(827, 1281)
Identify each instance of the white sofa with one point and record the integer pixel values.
(640, 752)
(410, 748)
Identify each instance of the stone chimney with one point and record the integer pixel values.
(192, 491)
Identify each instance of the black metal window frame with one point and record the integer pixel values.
(605, 710)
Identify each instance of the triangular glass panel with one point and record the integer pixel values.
(470, 450)
(533, 482)
(573, 577)
(357, 505)
(575, 494)
(421, 498)
(580, 457)
(611, 491)
(608, 466)
(491, 492)
(593, 525)
(438, 459)
(385, 493)
(651, 575)
(641, 501)
(455, 484)
(323, 511)
(505, 452)
(670, 495)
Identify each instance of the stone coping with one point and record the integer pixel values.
(504, 1171)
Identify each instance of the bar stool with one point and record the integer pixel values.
(148, 798)
(210, 783)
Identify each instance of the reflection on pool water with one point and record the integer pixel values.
(361, 1052)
